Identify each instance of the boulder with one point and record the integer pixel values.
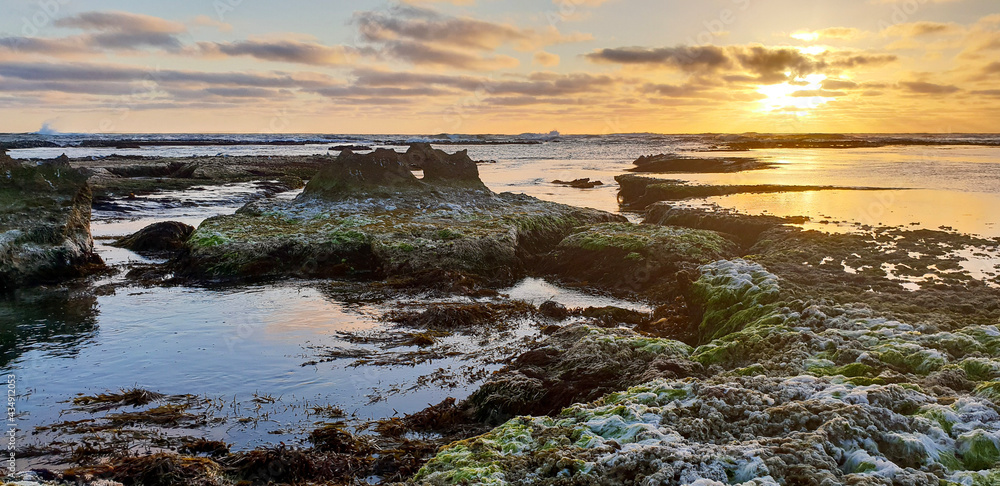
(168, 236)
(44, 224)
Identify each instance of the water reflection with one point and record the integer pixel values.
(55, 322)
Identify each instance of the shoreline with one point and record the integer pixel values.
(680, 261)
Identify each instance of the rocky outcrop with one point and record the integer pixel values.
(791, 391)
(584, 183)
(637, 192)
(368, 215)
(386, 173)
(667, 163)
(44, 223)
(637, 259)
(165, 237)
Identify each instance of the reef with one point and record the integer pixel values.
(667, 163)
(637, 192)
(756, 141)
(115, 178)
(584, 183)
(369, 216)
(44, 223)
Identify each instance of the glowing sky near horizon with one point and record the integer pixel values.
(485, 66)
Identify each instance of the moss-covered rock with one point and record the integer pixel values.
(636, 258)
(44, 223)
(368, 215)
(578, 363)
(800, 430)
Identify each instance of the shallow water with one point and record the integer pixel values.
(230, 343)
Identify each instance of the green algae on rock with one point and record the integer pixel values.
(577, 363)
(750, 431)
(44, 223)
(369, 215)
(636, 258)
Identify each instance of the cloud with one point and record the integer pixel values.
(838, 84)
(546, 59)
(429, 55)
(283, 51)
(686, 58)
(121, 22)
(428, 26)
(921, 87)
(534, 84)
(107, 31)
(920, 29)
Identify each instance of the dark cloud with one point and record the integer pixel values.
(686, 58)
(429, 27)
(770, 65)
(759, 64)
(928, 88)
(860, 60)
(284, 51)
(994, 93)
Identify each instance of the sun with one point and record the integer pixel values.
(799, 96)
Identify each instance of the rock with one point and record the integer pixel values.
(666, 163)
(638, 192)
(352, 148)
(44, 224)
(6, 162)
(440, 167)
(746, 229)
(379, 174)
(553, 310)
(578, 363)
(629, 258)
(169, 236)
(584, 183)
(368, 215)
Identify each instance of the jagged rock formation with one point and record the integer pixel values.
(44, 223)
(369, 215)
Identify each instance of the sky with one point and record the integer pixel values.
(494, 66)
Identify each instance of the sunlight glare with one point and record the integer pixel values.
(782, 97)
